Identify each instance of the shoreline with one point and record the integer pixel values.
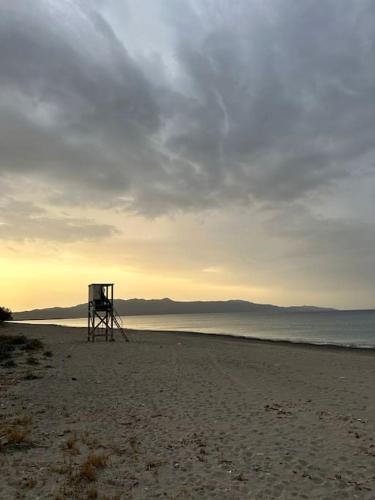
(258, 340)
(330, 346)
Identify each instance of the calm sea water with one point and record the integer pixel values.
(349, 328)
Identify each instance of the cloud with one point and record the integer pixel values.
(74, 105)
(265, 101)
(326, 252)
(283, 97)
(23, 221)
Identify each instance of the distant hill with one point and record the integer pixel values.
(136, 307)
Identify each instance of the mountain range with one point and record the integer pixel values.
(136, 307)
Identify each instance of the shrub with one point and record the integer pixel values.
(18, 340)
(32, 361)
(14, 437)
(93, 462)
(92, 493)
(25, 420)
(5, 314)
(4, 352)
(9, 364)
(17, 436)
(30, 376)
(70, 445)
(98, 461)
(87, 472)
(8, 344)
(32, 345)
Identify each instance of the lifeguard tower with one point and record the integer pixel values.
(101, 313)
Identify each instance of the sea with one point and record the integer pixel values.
(354, 329)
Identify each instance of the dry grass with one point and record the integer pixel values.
(16, 345)
(13, 437)
(79, 477)
(23, 421)
(97, 460)
(134, 443)
(70, 445)
(7, 345)
(30, 483)
(93, 462)
(91, 494)
(87, 472)
(16, 433)
(89, 441)
(17, 436)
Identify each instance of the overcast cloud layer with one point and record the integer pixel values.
(253, 100)
(166, 106)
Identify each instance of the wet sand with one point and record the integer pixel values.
(187, 416)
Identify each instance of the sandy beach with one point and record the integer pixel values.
(185, 416)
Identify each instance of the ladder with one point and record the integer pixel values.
(116, 318)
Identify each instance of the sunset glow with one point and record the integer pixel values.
(196, 150)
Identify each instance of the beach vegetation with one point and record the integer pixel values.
(8, 344)
(31, 376)
(5, 353)
(32, 361)
(133, 442)
(25, 420)
(30, 483)
(32, 345)
(89, 468)
(5, 314)
(12, 345)
(14, 436)
(87, 472)
(13, 340)
(70, 445)
(9, 364)
(17, 436)
(97, 460)
(92, 493)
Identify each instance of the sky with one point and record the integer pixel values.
(192, 149)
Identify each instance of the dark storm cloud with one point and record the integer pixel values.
(21, 221)
(73, 103)
(273, 101)
(283, 95)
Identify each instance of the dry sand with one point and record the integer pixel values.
(183, 416)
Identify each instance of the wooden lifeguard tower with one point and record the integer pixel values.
(101, 313)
